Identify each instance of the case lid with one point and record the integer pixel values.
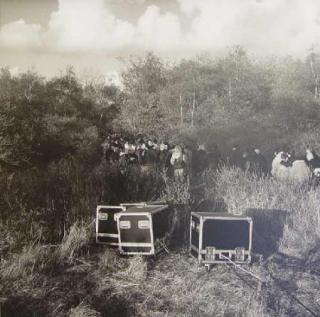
(220, 215)
(145, 209)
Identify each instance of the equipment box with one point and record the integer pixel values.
(220, 237)
(106, 224)
(144, 229)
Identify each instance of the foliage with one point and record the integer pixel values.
(143, 81)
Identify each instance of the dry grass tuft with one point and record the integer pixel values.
(83, 310)
(32, 259)
(178, 287)
(137, 268)
(75, 242)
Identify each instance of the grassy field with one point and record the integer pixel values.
(79, 278)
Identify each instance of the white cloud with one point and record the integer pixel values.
(20, 35)
(86, 25)
(158, 31)
(262, 26)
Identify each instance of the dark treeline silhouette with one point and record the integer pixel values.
(53, 171)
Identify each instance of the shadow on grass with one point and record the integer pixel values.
(61, 294)
(268, 227)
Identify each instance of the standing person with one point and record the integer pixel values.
(122, 162)
(245, 160)
(187, 153)
(260, 162)
(107, 151)
(200, 160)
(149, 157)
(178, 162)
(163, 156)
(115, 153)
(132, 157)
(214, 158)
(235, 157)
(141, 150)
(156, 154)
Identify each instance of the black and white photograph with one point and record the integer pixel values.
(159, 158)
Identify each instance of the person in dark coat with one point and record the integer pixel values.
(114, 157)
(107, 151)
(164, 157)
(214, 157)
(312, 159)
(260, 164)
(200, 162)
(148, 159)
(316, 177)
(188, 156)
(254, 162)
(132, 157)
(122, 163)
(235, 157)
(245, 161)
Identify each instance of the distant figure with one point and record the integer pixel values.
(132, 157)
(187, 156)
(244, 163)
(260, 163)
(313, 161)
(107, 151)
(178, 162)
(316, 177)
(141, 149)
(149, 159)
(214, 158)
(200, 162)
(284, 170)
(115, 153)
(235, 157)
(255, 162)
(164, 157)
(122, 163)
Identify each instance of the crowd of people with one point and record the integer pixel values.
(137, 165)
(151, 156)
(250, 159)
(179, 161)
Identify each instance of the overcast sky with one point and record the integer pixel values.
(92, 34)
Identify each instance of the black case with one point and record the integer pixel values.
(106, 224)
(220, 238)
(144, 229)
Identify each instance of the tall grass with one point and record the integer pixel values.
(75, 242)
(32, 259)
(68, 280)
(243, 191)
